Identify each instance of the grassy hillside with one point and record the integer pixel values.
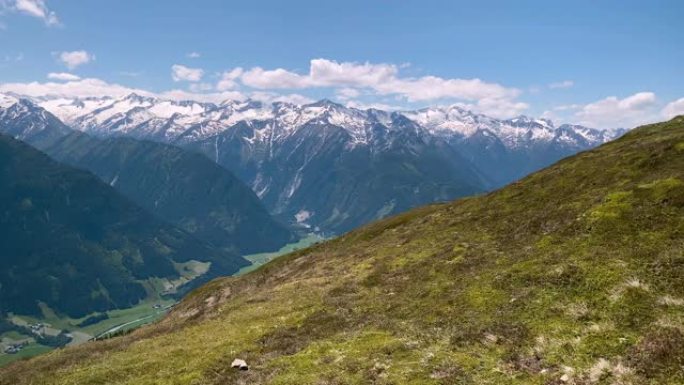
(575, 275)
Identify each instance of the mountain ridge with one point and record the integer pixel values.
(289, 153)
(75, 244)
(179, 186)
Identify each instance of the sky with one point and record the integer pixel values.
(603, 64)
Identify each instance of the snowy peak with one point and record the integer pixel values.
(24, 120)
(7, 100)
(455, 123)
(450, 121)
(154, 118)
(526, 121)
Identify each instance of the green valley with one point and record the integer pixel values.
(117, 321)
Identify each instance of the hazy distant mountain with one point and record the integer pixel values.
(507, 150)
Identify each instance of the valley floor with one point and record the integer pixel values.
(117, 321)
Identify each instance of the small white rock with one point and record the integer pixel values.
(239, 364)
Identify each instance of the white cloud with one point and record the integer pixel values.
(257, 77)
(73, 59)
(500, 107)
(228, 79)
(613, 112)
(270, 97)
(563, 84)
(567, 107)
(347, 93)
(432, 88)
(673, 109)
(79, 88)
(183, 73)
(193, 55)
(638, 101)
(377, 106)
(384, 80)
(35, 8)
(325, 72)
(200, 87)
(96, 87)
(63, 76)
(214, 97)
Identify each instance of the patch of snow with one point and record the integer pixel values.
(7, 100)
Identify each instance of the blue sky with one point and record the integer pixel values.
(601, 63)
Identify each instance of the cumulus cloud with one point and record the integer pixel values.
(63, 76)
(73, 59)
(347, 93)
(193, 55)
(270, 97)
(613, 112)
(673, 109)
(95, 87)
(228, 79)
(183, 73)
(563, 84)
(200, 87)
(377, 106)
(381, 79)
(257, 77)
(212, 97)
(79, 88)
(34, 8)
(567, 107)
(433, 87)
(500, 107)
(325, 72)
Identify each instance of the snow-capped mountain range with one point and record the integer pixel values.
(323, 164)
(171, 120)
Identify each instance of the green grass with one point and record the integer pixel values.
(263, 258)
(12, 335)
(575, 272)
(28, 351)
(118, 317)
(132, 317)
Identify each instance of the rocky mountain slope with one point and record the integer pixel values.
(183, 188)
(72, 243)
(572, 275)
(305, 161)
(507, 150)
